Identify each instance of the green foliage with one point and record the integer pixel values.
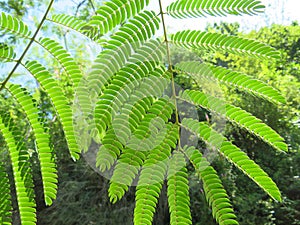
(190, 8)
(6, 205)
(234, 155)
(202, 40)
(230, 77)
(239, 116)
(121, 106)
(13, 25)
(6, 53)
(214, 190)
(283, 75)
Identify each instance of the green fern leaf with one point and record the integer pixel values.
(70, 22)
(134, 108)
(215, 193)
(13, 25)
(26, 204)
(135, 77)
(47, 164)
(178, 190)
(7, 53)
(139, 144)
(121, 46)
(234, 155)
(230, 77)
(192, 39)
(114, 13)
(64, 58)
(5, 199)
(59, 101)
(152, 176)
(194, 9)
(115, 138)
(238, 116)
(149, 54)
(11, 122)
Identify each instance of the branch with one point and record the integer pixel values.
(28, 46)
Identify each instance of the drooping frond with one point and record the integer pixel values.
(64, 58)
(135, 77)
(193, 39)
(214, 191)
(59, 102)
(25, 200)
(5, 198)
(143, 59)
(47, 164)
(234, 155)
(7, 53)
(120, 47)
(70, 22)
(178, 190)
(152, 176)
(194, 9)
(144, 138)
(116, 12)
(113, 142)
(126, 112)
(230, 77)
(13, 25)
(237, 115)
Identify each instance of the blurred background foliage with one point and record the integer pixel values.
(82, 194)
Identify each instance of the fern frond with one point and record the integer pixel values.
(194, 9)
(64, 58)
(12, 124)
(14, 26)
(47, 164)
(130, 78)
(5, 198)
(70, 22)
(214, 191)
(178, 190)
(120, 47)
(234, 155)
(7, 53)
(239, 116)
(113, 143)
(132, 110)
(114, 13)
(59, 101)
(230, 77)
(152, 176)
(144, 138)
(192, 39)
(26, 204)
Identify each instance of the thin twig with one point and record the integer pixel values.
(28, 46)
(170, 66)
(93, 7)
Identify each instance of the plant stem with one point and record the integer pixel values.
(165, 35)
(28, 46)
(170, 69)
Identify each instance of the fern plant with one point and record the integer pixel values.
(122, 105)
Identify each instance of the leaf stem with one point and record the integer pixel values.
(165, 35)
(170, 69)
(27, 47)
